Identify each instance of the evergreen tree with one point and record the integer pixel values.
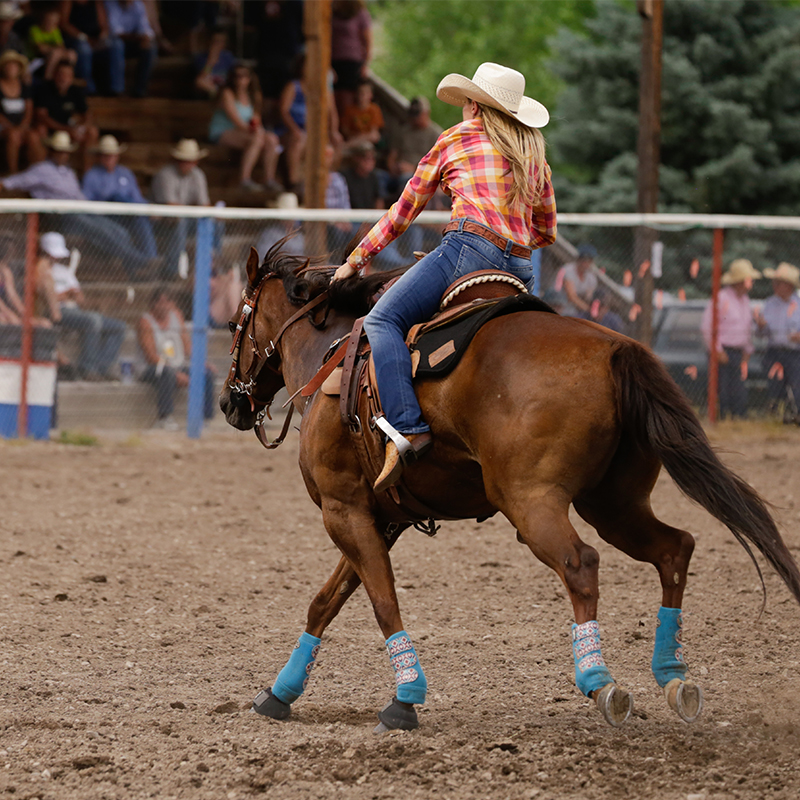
(730, 138)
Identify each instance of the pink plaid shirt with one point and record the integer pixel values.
(478, 180)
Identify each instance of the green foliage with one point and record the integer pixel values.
(78, 438)
(730, 139)
(418, 42)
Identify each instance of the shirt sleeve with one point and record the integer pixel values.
(114, 19)
(22, 181)
(705, 326)
(418, 191)
(202, 188)
(543, 225)
(89, 186)
(135, 191)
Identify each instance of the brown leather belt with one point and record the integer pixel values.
(486, 233)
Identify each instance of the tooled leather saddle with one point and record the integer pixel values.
(436, 346)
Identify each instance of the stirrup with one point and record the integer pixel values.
(405, 449)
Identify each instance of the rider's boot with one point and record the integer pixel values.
(400, 452)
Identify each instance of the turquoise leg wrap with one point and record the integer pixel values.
(591, 672)
(668, 661)
(411, 684)
(292, 679)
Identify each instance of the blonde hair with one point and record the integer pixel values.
(519, 144)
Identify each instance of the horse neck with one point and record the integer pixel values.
(303, 347)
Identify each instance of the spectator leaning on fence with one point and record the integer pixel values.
(166, 348)
(53, 179)
(181, 183)
(110, 182)
(781, 319)
(132, 36)
(735, 336)
(101, 337)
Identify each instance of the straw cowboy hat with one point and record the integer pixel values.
(61, 142)
(109, 146)
(287, 201)
(739, 270)
(785, 272)
(9, 11)
(188, 150)
(13, 55)
(496, 86)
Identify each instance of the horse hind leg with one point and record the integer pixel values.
(633, 528)
(546, 529)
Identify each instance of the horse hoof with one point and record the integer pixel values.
(685, 698)
(268, 705)
(397, 716)
(615, 704)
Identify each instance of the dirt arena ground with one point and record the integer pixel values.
(149, 588)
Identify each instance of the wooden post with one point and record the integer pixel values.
(29, 295)
(317, 28)
(713, 356)
(648, 151)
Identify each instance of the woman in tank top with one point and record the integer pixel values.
(16, 111)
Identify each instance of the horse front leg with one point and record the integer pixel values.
(276, 702)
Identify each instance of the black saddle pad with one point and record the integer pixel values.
(441, 349)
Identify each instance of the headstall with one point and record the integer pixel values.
(247, 384)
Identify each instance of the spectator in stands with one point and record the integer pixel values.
(46, 43)
(85, 28)
(556, 299)
(101, 336)
(578, 279)
(337, 196)
(363, 120)
(735, 338)
(132, 36)
(351, 49)
(166, 349)
(9, 38)
(213, 67)
(363, 182)
(237, 124)
(110, 182)
(277, 230)
(52, 179)
(412, 140)
(16, 112)
(12, 308)
(225, 294)
(293, 113)
(280, 39)
(181, 183)
(780, 318)
(61, 106)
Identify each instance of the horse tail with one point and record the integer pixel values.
(657, 415)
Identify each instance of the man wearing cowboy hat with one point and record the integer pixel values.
(735, 336)
(9, 38)
(780, 318)
(52, 179)
(110, 182)
(181, 183)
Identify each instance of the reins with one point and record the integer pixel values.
(260, 360)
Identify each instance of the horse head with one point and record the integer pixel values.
(255, 374)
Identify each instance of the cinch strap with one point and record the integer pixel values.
(668, 661)
(591, 672)
(292, 680)
(411, 684)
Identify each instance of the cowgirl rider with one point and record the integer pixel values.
(493, 167)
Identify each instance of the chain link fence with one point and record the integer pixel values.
(128, 305)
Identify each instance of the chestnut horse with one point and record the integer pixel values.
(541, 413)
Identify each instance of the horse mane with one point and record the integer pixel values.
(305, 278)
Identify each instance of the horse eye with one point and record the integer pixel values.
(232, 327)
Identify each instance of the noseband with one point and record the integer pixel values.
(247, 384)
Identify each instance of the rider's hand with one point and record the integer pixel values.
(345, 271)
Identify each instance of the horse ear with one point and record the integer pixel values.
(252, 267)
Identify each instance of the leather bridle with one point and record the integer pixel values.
(246, 385)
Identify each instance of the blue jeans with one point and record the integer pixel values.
(118, 51)
(415, 298)
(166, 383)
(101, 338)
(732, 391)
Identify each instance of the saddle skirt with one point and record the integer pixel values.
(436, 348)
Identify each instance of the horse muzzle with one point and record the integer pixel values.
(237, 408)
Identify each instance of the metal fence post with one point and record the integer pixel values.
(29, 292)
(200, 301)
(713, 356)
